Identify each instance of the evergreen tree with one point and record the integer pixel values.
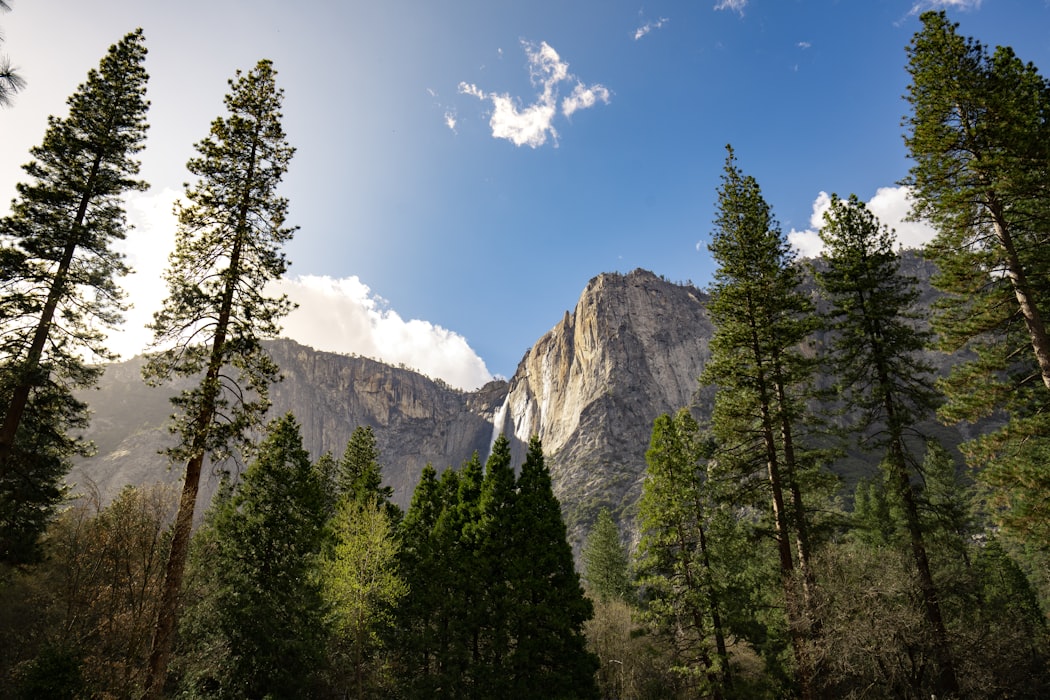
(875, 355)
(550, 658)
(263, 609)
(605, 565)
(979, 133)
(676, 553)
(211, 325)
(762, 320)
(418, 615)
(362, 587)
(58, 282)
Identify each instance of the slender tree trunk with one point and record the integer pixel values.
(164, 636)
(20, 396)
(1033, 319)
(782, 529)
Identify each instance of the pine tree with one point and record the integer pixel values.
(676, 552)
(550, 658)
(605, 565)
(266, 613)
(875, 354)
(762, 319)
(58, 276)
(211, 325)
(979, 133)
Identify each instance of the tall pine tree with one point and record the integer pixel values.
(876, 358)
(58, 275)
(227, 248)
(762, 320)
(979, 133)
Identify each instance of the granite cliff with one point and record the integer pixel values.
(590, 388)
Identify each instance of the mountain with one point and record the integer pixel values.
(591, 387)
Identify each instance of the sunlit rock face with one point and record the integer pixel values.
(590, 388)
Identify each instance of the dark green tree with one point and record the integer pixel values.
(262, 612)
(762, 321)
(58, 276)
(550, 657)
(979, 133)
(227, 248)
(676, 553)
(605, 564)
(875, 355)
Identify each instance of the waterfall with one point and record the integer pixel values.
(498, 418)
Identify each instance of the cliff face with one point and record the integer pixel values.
(590, 388)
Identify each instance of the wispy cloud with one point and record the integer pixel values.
(648, 27)
(803, 45)
(891, 205)
(531, 125)
(734, 5)
(450, 120)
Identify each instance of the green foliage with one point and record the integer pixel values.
(58, 289)
(980, 123)
(764, 381)
(362, 588)
(495, 607)
(258, 609)
(227, 248)
(605, 563)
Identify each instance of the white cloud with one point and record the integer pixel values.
(343, 315)
(532, 124)
(450, 120)
(336, 315)
(804, 45)
(582, 97)
(891, 205)
(648, 27)
(735, 5)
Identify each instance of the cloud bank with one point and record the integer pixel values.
(335, 315)
(533, 124)
(890, 205)
(344, 315)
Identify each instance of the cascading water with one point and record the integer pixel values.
(498, 418)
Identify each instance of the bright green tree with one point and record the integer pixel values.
(762, 321)
(362, 587)
(979, 133)
(58, 275)
(227, 248)
(261, 612)
(676, 552)
(605, 564)
(875, 355)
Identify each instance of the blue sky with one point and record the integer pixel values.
(464, 168)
